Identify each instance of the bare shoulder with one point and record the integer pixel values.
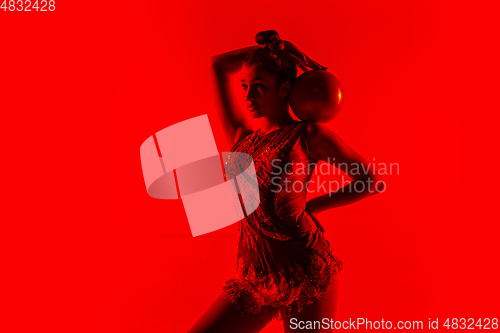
(314, 129)
(323, 142)
(316, 133)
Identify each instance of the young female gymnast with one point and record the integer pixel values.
(285, 266)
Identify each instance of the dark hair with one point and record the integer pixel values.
(273, 57)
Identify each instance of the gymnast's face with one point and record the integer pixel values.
(262, 96)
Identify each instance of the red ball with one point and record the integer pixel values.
(316, 95)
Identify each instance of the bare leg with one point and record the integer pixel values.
(326, 307)
(222, 316)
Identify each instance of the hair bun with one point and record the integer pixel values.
(269, 38)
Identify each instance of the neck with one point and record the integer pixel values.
(275, 121)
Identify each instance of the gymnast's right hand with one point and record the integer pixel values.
(301, 59)
(314, 217)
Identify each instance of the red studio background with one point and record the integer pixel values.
(85, 249)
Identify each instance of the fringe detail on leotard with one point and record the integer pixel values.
(274, 295)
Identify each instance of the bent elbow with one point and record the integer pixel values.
(376, 185)
(216, 63)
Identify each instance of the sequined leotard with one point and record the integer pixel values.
(283, 262)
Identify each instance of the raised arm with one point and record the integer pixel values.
(224, 66)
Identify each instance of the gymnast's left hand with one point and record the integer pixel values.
(314, 216)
